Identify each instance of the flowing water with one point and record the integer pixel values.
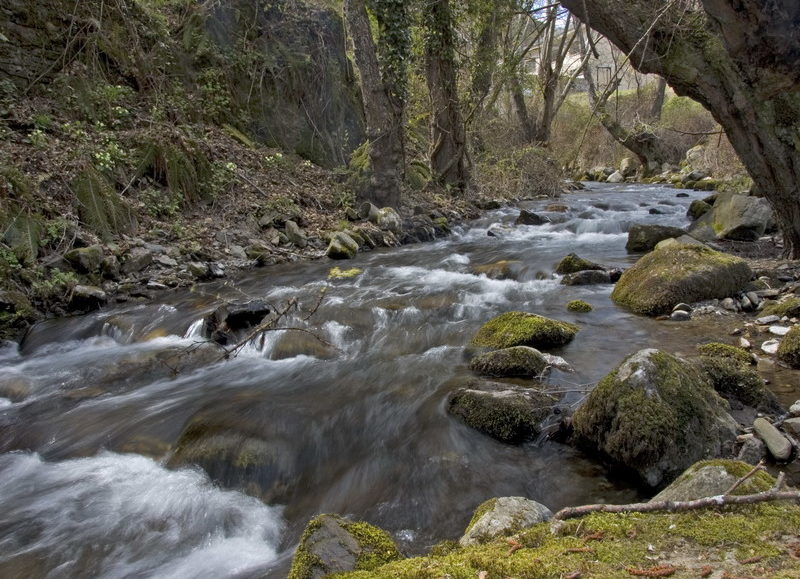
(85, 484)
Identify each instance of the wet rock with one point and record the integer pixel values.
(136, 260)
(680, 316)
(615, 177)
(737, 217)
(295, 234)
(579, 306)
(530, 218)
(697, 209)
(770, 346)
(682, 308)
(511, 414)
(789, 349)
(505, 269)
(15, 388)
(516, 361)
(753, 450)
(588, 277)
(524, 329)
(87, 297)
(224, 323)
(792, 426)
(85, 259)
(342, 246)
(331, 544)
(644, 237)
(679, 273)
(296, 343)
(777, 444)
(629, 166)
(710, 478)
(216, 270)
(498, 230)
(503, 517)
(573, 263)
(655, 415)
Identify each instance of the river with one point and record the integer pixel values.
(85, 484)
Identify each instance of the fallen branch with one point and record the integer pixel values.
(741, 481)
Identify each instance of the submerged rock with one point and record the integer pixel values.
(511, 414)
(679, 273)
(656, 415)
(504, 269)
(332, 544)
(524, 329)
(502, 517)
(297, 343)
(573, 263)
(588, 277)
(526, 217)
(224, 323)
(515, 361)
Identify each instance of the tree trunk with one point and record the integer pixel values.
(739, 59)
(448, 153)
(383, 111)
(521, 109)
(658, 101)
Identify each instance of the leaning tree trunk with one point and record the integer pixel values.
(448, 153)
(739, 59)
(383, 110)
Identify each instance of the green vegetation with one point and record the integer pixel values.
(719, 350)
(515, 361)
(787, 307)
(789, 350)
(578, 306)
(524, 329)
(573, 263)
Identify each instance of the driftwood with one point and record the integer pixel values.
(773, 494)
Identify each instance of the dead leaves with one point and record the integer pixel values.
(657, 571)
(515, 546)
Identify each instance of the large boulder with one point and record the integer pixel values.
(644, 237)
(508, 413)
(789, 349)
(332, 544)
(503, 269)
(228, 321)
(736, 217)
(85, 259)
(502, 517)
(524, 329)
(526, 217)
(711, 478)
(629, 166)
(679, 273)
(342, 246)
(573, 263)
(516, 361)
(656, 415)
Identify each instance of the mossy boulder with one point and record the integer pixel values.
(342, 246)
(789, 350)
(679, 273)
(644, 237)
(332, 544)
(85, 259)
(737, 217)
(573, 263)
(709, 478)
(508, 413)
(579, 306)
(787, 307)
(697, 209)
(656, 415)
(735, 379)
(502, 517)
(516, 361)
(524, 329)
(720, 350)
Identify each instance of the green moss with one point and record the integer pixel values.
(737, 380)
(789, 307)
(789, 350)
(516, 361)
(573, 263)
(579, 306)
(303, 562)
(761, 481)
(524, 329)
(482, 509)
(679, 273)
(338, 273)
(719, 350)
(716, 536)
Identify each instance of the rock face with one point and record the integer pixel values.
(342, 246)
(573, 263)
(516, 361)
(331, 544)
(679, 273)
(642, 237)
(656, 415)
(736, 217)
(502, 517)
(523, 329)
(709, 478)
(511, 414)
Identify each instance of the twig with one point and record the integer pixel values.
(741, 481)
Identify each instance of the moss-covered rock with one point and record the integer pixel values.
(698, 208)
(720, 350)
(656, 415)
(524, 329)
(644, 237)
(787, 307)
(503, 517)
(342, 246)
(579, 306)
(679, 273)
(332, 544)
(85, 259)
(709, 478)
(789, 350)
(516, 361)
(573, 263)
(735, 379)
(511, 414)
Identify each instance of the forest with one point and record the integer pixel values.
(386, 288)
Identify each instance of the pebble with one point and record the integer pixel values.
(770, 346)
(779, 330)
(766, 320)
(745, 343)
(730, 304)
(777, 444)
(680, 316)
(794, 409)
